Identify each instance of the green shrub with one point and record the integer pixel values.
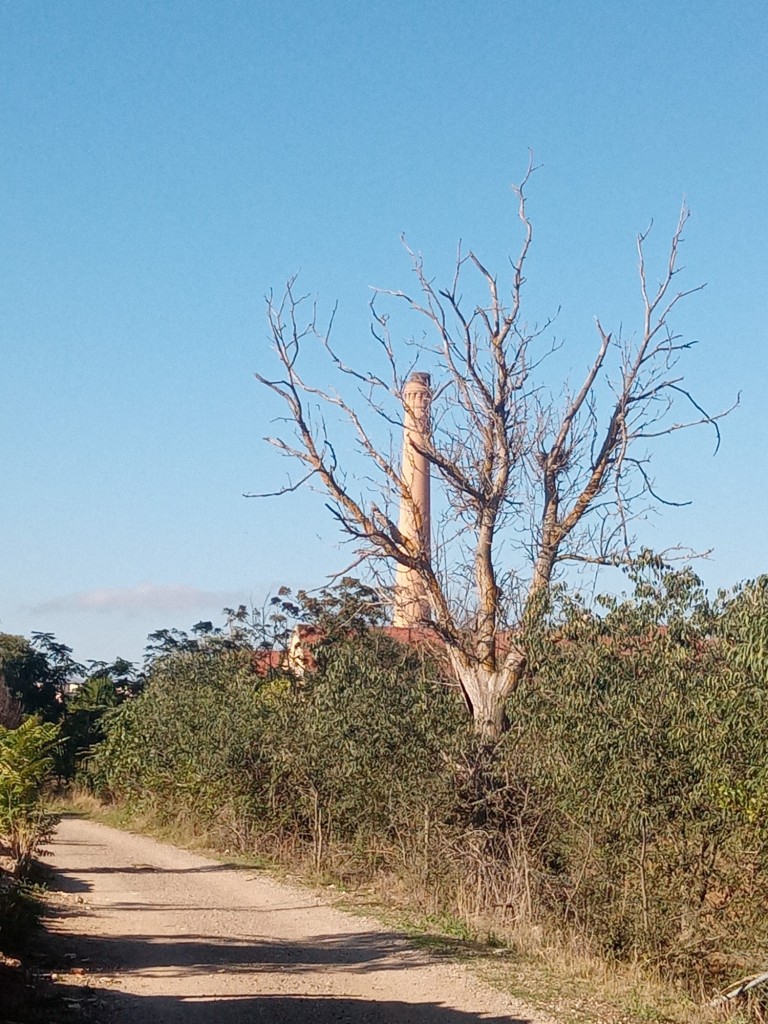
(642, 741)
(26, 762)
(185, 745)
(361, 753)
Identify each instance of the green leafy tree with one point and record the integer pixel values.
(122, 673)
(37, 672)
(81, 726)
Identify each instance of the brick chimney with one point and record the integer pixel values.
(411, 604)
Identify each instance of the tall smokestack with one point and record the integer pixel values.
(411, 604)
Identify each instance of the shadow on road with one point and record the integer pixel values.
(189, 954)
(287, 1009)
(153, 869)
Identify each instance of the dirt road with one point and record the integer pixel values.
(167, 936)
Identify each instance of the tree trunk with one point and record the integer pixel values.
(486, 691)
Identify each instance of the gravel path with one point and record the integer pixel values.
(167, 936)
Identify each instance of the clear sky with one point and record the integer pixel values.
(163, 165)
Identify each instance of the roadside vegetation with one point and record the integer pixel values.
(620, 820)
(27, 745)
(42, 726)
(618, 828)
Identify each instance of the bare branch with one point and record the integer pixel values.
(288, 489)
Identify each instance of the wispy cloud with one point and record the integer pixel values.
(145, 597)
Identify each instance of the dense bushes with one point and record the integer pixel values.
(643, 741)
(342, 756)
(627, 802)
(360, 755)
(186, 744)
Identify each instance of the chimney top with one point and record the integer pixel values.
(420, 378)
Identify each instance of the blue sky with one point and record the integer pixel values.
(164, 165)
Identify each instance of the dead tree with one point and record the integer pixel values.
(557, 480)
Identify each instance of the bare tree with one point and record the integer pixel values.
(529, 482)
